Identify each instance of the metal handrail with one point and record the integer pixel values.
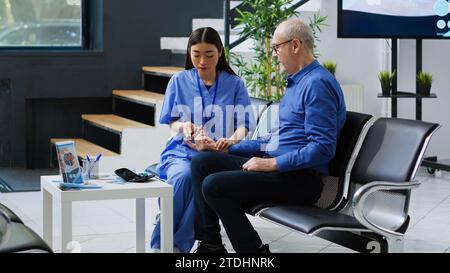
(226, 16)
(227, 19)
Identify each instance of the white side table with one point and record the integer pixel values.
(109, 191)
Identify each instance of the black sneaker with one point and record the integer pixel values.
(210, 248)
(264, 249)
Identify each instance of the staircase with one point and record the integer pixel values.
(178, 45)
(131, 136)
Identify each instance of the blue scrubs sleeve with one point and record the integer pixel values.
(249, 148)
(167, 116)
(321, 131)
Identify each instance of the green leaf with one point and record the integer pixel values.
(264, 18)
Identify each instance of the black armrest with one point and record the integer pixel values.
(11, 214)
(24, 239)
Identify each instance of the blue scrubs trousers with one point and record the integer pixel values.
(179, 176)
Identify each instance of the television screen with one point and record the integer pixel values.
(426, 19)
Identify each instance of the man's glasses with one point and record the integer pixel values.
(276, 47)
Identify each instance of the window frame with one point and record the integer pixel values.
(85, 37)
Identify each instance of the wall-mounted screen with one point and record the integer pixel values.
(426, 19)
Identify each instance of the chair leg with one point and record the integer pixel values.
(395, 245)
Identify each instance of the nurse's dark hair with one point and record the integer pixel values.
(210, 36)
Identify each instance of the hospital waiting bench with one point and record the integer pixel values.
(366, 196)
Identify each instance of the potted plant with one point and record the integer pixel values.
(424, 81)
(386, 78)
(262, 73)
(330, 66)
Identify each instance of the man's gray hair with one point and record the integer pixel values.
(294, 28)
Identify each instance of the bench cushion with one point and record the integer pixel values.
(308, 219)
(254, 208)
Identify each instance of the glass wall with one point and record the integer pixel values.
(41, 23)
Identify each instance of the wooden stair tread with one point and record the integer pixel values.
(140, 96)
(168, 71)
(114, 122)
(85, 147)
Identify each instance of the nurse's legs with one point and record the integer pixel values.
(179, 176)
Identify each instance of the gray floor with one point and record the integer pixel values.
(21, 179)
(109, 226)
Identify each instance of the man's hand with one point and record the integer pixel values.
(258, 164)
(223, 144)
(204, 143)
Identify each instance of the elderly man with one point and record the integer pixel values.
(289, 169)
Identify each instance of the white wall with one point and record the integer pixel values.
(360, 60)
(436, 60)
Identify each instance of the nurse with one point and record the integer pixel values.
(204, 98)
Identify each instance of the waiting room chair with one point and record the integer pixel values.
(12, 216)
(15, 236)
(5, 228)
(335, 189)
(375, 217)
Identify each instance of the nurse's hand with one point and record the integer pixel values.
(188, 129)
(202, 143)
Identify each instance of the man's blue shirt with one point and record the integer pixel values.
(312, 113)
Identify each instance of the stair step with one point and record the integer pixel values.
(113, 123)
(165, 71)
(85, 147)
(216, 23)
(176, 44)
(234, 4)
(311, 6)
(140, 96)
(179, 44)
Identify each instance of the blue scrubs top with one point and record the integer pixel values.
(183, 102)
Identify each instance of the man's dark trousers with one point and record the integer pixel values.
(222, 189)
